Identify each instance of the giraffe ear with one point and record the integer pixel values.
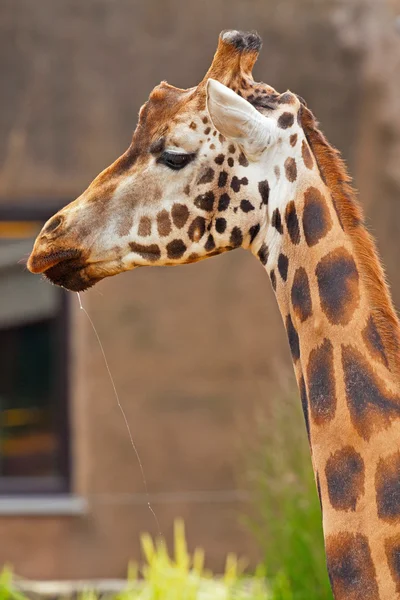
(238, 120)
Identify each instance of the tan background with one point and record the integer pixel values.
(195, 351)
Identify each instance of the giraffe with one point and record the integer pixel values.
(233, 163)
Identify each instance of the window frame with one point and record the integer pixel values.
(37, 211)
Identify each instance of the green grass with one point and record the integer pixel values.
(288, 522)
(179, 577)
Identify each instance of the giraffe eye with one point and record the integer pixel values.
(175, 160)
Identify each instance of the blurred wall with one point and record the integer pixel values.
(195, 351)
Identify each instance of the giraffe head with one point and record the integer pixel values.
(194, 182)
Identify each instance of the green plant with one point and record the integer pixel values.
(181, 577)
(7, 589)
(288, 522)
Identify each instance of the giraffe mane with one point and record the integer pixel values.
(335, 175)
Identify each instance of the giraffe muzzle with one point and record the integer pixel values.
(42, 262)
(71, 275)
(65, 268)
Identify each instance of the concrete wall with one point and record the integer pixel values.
(195, 351)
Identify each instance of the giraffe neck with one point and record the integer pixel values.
(344, 338)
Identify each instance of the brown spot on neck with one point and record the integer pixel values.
(351, 568)
(350, 216)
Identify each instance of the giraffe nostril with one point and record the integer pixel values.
(53, 225)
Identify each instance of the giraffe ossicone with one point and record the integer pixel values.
(232, 163)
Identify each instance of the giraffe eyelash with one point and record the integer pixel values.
(175, 160)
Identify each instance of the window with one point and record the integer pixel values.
(34, 452)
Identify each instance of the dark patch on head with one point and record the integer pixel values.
(387, 484)
(317, 221)
(306, 154)
(163, 223)
(293, 139)
(236, 238)
(338, 284)
(266, 100)
(321, 383)
(176, 249)
(290, 169)
(272, 277)
(242, 41)
(276, 221)
(180, 214)
(285, 120)
(246, 206)
(292, 222)
(351, 570)
(124, 225)
(207, 177)
(304, 404)
(373, 341)
(236, 183)
(345, 475)
(220, 225)
(222, 179)
(263, 254)
(372, 408)
(283, 263)
(243, 162)
(392, 548)
(286, 98)
(301, 295)
(293, 338)
(253, 232)
(263, 188)
(210, 243)
(151, 252)
(220, 159)
(205, 201)
(157, 147)
(197, 229)
(224, 202)
(144, 228)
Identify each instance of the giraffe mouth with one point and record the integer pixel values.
(78, 275)
(72, 275)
